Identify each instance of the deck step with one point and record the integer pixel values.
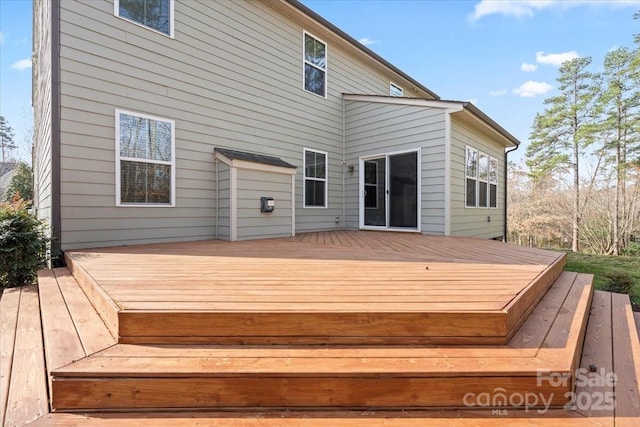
(290, 292)
(545, 349)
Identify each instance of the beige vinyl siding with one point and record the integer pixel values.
(42, 97)
(231, 77)
(473, 221)
(378, 128)
(224, 201)
(253, 224)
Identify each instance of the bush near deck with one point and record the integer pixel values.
(612, 273)
(23, 244)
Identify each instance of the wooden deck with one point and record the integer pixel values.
(92, 379)
(335, 287)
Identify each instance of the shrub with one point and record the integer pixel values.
(23, 244)
(632, 249)
(619, 281)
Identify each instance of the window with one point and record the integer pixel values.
(395, 90)
(481, 180)
(472, 177)
(154, 14)
(493, 183)
(371, 185)
(315, 179)
(315, 65)
(145, 160)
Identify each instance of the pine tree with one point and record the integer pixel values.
(618, 103)
(565, 129)
(6, 139)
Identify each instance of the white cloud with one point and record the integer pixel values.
(520, 8)
(1, 37)
(529, 89)
(367, 41)
(555, 59)
(508, 7)
(529, 68)
(23, 64)
(498, 92)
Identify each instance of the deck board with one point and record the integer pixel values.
(342, 278)
(9, 308)
(348, 375)
(27, 398)
(626, 362)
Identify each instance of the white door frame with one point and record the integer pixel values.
(361, 191)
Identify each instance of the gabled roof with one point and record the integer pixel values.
(453, 107)
(254, 158)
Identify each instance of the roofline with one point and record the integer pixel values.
(482, 116)
(450, 105)
(355, 43)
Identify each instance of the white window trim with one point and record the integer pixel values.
(116, 12)
(172, 163)
(326, 63)
(398, 87)
(486, 181)
(478, 180)
(371, 185)
(496, 184)
(466, 151)
(386, 155)
(304, 179)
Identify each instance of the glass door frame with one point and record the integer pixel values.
(361, 191)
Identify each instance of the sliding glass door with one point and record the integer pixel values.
(390, 191)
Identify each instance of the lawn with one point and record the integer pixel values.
(603, 266)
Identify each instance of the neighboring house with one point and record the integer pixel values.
(163, 120)
(7, 171)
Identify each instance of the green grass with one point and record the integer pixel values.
(602, 265)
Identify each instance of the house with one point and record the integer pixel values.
(7, 171)
(172, 120)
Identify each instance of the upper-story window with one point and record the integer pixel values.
(315, 179)
(145, 160)
(154, 14)
(395, 90)
(315, 65)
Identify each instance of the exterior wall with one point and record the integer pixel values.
(253, 224)
(473, 221)
(231, 77)
(42, 107)
(224, 201)
(378, 128)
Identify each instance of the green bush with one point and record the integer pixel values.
(23, 244)
(632, 249)
(619, 281)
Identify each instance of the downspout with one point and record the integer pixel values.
(217, 164)
(506, 171)
(344, 166)
(56, 223)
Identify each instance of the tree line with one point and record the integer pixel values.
(581, 185)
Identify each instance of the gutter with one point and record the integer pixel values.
(506, 169)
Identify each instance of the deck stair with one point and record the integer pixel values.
(324, 381)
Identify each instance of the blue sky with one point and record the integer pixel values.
(501, 55)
